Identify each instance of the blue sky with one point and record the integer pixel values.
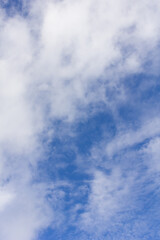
(79, 120)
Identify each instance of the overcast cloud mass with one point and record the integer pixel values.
(79, 120)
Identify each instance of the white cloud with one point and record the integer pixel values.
(5, 198)
(24, 214)
(108, 201)
(80, 41)
(128, 138)
(151, 153)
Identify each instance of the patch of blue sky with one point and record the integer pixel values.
(15, 7)
(90, 132)
(62, 165)
(10, 5)
(142, 93)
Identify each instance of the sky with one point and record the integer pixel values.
(79, 120)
